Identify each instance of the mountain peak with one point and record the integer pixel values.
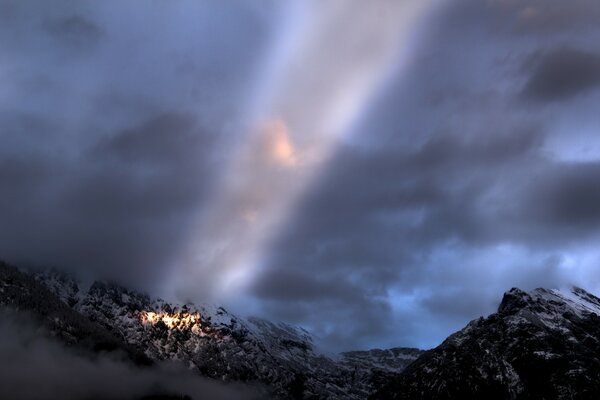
(541, 343)
(514, 300)
(573, 300)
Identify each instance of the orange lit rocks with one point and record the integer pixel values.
(174, 320)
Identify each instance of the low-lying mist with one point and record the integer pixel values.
(35, 366)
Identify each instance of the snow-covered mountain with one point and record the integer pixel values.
(22, 293)
(543, 344)
(206, 339)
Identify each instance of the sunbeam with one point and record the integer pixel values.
(336, 59)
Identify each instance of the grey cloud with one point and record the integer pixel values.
(164, 138)
(410, 180)
(561, 74)
(566, 198)
(75, 31)
(291, 285)
(337, 322)
(546, 17)
(111, 206)
(106, 160)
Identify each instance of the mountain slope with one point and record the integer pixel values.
(19, 291)
(544, 344)
(223, 346)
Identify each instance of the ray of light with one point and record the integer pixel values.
(324, 74)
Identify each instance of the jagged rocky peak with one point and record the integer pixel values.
(572, 300)
(541, 344)
(513, 300)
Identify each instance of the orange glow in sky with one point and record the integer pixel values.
(279, 145)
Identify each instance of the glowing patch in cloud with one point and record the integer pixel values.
(340, 54)
(250, 216)
(279, 145)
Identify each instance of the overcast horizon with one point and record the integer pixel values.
(378, 173)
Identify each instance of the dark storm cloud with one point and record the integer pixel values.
(111, 206)
(377, 214)
(112, 134)
(74, 30)
(566, 198)
(278, 287)
(561, 74)
(161, 139)
(446, 172)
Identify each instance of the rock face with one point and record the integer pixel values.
(543, 344)
(207, 339)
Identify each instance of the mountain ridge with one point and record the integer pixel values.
(220, 345)
(541, 344)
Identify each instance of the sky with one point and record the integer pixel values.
(376, 172)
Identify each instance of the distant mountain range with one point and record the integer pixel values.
(543, 344)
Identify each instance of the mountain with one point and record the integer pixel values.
(207, 339)
(543, 344)
(20, 291)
